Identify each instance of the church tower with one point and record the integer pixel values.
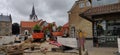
(33, 16)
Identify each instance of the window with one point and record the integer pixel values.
(107, 28)
(88, 3)
(82, 5)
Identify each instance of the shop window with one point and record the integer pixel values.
(100, 30)
(100, 27)
(113, 27)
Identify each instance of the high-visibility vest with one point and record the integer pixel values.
(82, 34)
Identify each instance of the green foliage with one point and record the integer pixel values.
(46, 30)
(51, 25)
(15, 28)
(37, 27)
(59, 28)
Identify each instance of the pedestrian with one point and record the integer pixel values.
(82, 39)
(16, 35)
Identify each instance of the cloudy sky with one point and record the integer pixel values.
(49, 10)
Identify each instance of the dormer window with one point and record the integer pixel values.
(82, 5)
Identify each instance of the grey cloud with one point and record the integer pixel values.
(49, 10)
(57, 4)
(23, 7)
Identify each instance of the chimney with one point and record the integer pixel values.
(10, 17)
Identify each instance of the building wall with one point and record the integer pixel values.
(78, 22)
(22, 30)
(5, 28)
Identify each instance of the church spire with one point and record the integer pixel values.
(33, 10)
(33, 16)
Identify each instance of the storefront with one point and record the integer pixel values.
(106, 29)
(106, 24)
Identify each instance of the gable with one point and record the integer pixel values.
(80, 6)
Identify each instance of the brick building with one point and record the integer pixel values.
(5, 25)
(76, 22)
(27, 26)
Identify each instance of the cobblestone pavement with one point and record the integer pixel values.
(99, 50)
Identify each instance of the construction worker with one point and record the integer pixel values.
(82, 39)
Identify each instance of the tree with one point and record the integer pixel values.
(37, 28)
(59, 28)
(15, 28)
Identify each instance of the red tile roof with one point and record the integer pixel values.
(66, 25)
(28, 24)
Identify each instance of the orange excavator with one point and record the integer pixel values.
(38, 36)
(57, 33)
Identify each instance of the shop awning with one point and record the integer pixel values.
(105, 9)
